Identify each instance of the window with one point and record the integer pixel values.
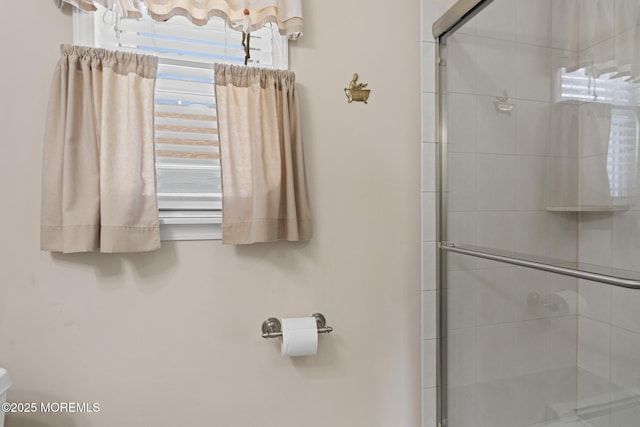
(187, 157)
(624, 96)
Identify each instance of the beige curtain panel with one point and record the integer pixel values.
(98, 175)
(241, 15)
(263, 180)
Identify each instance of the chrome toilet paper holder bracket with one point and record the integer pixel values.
(272, 328)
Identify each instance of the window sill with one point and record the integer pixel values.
(178, 227)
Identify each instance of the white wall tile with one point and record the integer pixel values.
(497, 295)
(533, 22)
(563, 181)
(428, 66)
(428, 217)
(429, 319)
(498, 20)
(564, 130)
(533, 124)
(462, 123)
(497, 230)
(462, 405)
(597, 298)
(496, 67)
(428, 117)
(429, 167)
(563, 346)
(462, 173)
(595, 238)
(625, 251)
(496, 404)
(496, 182)
(564, 234)
(625, 308)
(429, 363)
(533, 233)
(625, 359)
(594, 181)
(594, 347)
(429, 401)
(462, 357)
(531, 183)
(462, 228)
(430, 14)
(496, 130)
(462, 298)
(462, 65)
(428, 266)
(530, 287)
(533, 73)
(530, 399)
(532, 349)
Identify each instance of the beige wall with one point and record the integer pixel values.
(172, 338)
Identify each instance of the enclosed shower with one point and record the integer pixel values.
(539, 213)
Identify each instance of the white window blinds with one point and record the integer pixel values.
(186, 136)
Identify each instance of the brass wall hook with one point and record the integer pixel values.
(356, 91)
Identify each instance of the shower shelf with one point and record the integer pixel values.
(603, 208)
(622, 278)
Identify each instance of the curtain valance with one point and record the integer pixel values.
(241, 15)
(600, 36)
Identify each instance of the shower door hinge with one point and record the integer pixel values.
(441, 61)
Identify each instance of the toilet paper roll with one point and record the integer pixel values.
(299, 336)
(565, 302)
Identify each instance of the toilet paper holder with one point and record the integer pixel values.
(272, 328)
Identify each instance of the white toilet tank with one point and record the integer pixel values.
(5, 383)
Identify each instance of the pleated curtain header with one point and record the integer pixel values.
(241, 15)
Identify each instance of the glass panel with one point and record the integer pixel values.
(540, 139)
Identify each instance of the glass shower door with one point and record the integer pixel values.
(540, 220)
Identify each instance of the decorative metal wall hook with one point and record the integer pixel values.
(503, 103)
(356, 91)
